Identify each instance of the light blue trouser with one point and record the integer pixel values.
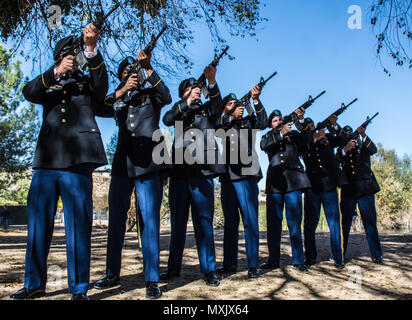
(292, 201)
(75, 189)
(367, 210)
(312, 205)
(240, 196)
(149, 193)
(198, 194)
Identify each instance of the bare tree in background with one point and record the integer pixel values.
(391, 21)
(24, 25)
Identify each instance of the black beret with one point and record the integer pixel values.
(187, 83)
(308, 120)
(127, 61)
(67, 41)
(274, 113)
(228, 98)
(347, 128)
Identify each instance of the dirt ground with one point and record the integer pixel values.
(361, 279)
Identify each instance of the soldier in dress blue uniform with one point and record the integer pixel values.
(285, 181)
(191, 184)
(239, 188)
(325, 177)
(133, 166)
(68, 149)
(355, 160)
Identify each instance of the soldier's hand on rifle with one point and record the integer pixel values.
(361, 131)
(144, 59)
(286, 129)
(238, 113)
(69, 63)
(350, 145)
(131, 84)
(300, 112)
(319, 135)
(332, 119)
(210, 74)
(256, 90)
(90, 35)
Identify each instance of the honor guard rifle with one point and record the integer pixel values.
(292, 117)
(134, 67)
(355, 135)
(77, 48)
(325, 123)
(245, 100)
(202, 79)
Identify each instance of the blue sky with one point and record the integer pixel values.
(312, 48)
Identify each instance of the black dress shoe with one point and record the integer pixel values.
(107, 282)
(153, 290)
(269, 265)
(339, 264)
(309, 262)
(226, 269)
(80, 296)
(253, 273)
(26, 294)
(169, 274)
(211, 279)
(378, 260)
(300, 267)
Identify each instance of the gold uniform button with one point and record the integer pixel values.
(318, 160)
(353, 172)
(131, 116)
(232, 135)
(320, 166)
(132, 124)
(93, 129)
(63, 101)
(281, 154)
(133, 134)
(191, 132)
(63, 110)
(282, 161)
(64, 120)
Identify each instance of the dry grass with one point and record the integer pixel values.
(392, 280)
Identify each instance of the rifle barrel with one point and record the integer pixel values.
(271, 76)
(216, 60)
(320, 94)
